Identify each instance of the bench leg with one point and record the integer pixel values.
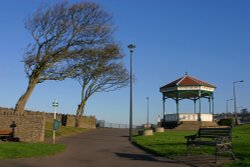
(188, 150)
(224, 148)
(229, 147)
(216, 154)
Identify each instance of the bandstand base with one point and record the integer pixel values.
(187, 121)
(188, 117)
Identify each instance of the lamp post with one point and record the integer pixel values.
(235, 101)
(227, 105)
(147, 111)
(131, 49)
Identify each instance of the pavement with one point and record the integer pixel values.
(98, 148)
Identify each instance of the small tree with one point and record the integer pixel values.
(62, 35)
(104, 73)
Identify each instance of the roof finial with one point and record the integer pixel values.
(186, 73)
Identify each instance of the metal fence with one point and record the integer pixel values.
(103, 124)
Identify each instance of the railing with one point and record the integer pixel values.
(103, 124)
(188, 117)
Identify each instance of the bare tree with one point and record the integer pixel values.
(104, 73)
(62, 34)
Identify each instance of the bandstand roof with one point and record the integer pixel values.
(187, 87)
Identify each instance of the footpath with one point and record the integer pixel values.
(98, 148)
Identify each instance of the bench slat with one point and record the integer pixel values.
(5, 131)
(215, 134)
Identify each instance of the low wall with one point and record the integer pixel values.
(88, 122)
(31, 125)
(30, 128)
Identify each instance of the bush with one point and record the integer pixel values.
(170, 125)
(226, 122)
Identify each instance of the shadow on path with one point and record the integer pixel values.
(136, 156)
(148, 157)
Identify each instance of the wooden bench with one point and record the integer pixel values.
(218, 137)
(6, 134)
(9, 134)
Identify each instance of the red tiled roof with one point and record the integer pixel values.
(187, 81)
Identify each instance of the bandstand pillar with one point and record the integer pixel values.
(209, 103)
(199, 117)
(213, 106)
(164, 107)
(195, 106)
(177, 106)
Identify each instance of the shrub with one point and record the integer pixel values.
(226, 122)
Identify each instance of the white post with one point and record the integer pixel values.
(55, 105)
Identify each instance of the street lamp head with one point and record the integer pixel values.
(131, 47)
(238, 81)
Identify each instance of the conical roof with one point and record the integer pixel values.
(186, 81)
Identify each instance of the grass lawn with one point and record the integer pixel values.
(10, 150)
(241, 145)
(169, 143)
(172, 143)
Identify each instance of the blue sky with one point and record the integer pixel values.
(209, 39)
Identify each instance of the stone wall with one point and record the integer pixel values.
(88, 122)
(30, 128)
(85, 122)
(31, 125)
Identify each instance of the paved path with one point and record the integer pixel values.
(97, 148)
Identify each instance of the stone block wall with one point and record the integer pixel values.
(71, 121)
(30, 128)
(31, 125)
(85, 122)
(50, 117)
(88, 122)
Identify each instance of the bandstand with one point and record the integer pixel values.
(188, 87)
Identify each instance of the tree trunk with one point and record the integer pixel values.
(79, 112)
(20, 105)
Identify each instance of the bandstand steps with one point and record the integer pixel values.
(194, 125)
(209, 124)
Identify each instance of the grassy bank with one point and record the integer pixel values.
(172, 143)
(10, 150)
(63, 131)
